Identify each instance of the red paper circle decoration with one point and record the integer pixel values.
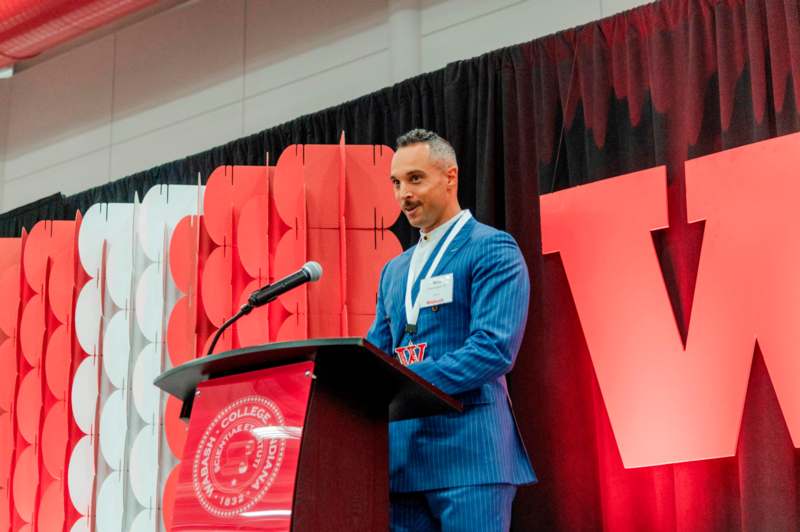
(57, 362)
(32, 328)
(181, 334)
(183, 252)
(217, 286)
(175, 428)
(8, 373)
(55, 436)
(51, 508)
(25, 473)
(29, 403)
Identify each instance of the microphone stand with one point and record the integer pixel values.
(186, 407)
(245, 310)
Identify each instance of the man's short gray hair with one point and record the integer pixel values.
(440, 150)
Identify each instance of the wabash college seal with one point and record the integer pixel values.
(235, 466)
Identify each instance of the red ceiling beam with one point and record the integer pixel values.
(29, 27)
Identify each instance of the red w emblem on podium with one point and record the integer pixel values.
(411, 353)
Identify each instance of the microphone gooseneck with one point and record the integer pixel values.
(311, 271)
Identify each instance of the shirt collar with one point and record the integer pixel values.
(435, 235)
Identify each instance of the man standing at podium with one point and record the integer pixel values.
(453, 309)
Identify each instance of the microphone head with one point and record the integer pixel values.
(313, 269)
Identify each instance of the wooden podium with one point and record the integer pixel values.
(333, 476)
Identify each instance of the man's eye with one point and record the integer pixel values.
(415, 178)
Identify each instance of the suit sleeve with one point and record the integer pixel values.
(380, 333)
(499, 291)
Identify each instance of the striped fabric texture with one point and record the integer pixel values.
(462, 509)
(472, 343)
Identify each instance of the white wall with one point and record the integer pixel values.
(210, 71)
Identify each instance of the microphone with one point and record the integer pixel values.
(311, 271)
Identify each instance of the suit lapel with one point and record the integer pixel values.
(399, 291)
(458, 242)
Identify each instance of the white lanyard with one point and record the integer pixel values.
(412, 309)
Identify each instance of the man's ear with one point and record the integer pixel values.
(452, 177)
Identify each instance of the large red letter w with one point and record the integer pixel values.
(668, 403)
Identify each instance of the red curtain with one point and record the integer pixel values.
(653, 86)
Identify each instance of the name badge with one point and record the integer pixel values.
(436, 290)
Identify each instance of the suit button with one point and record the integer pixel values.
(435, 308)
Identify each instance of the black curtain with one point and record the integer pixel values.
(652, 86)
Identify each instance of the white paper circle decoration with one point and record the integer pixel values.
(151, 222)
(81, 474)
(113, 428)
(84, 394)
(119, 271)
(88, 314)
(81, 525)
(144, 466)
(162, 208)
(117, 348)
(150, 302)
(109, 504)
(183, 201)
(144, 522)
(90, 239)
(145, 394)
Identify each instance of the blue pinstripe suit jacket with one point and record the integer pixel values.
(471, 344)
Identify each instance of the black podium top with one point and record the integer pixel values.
(356, 361)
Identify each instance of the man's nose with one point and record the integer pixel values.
(402, 192)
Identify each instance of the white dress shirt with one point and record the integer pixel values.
(426, 245)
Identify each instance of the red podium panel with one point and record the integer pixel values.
(241, 453)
